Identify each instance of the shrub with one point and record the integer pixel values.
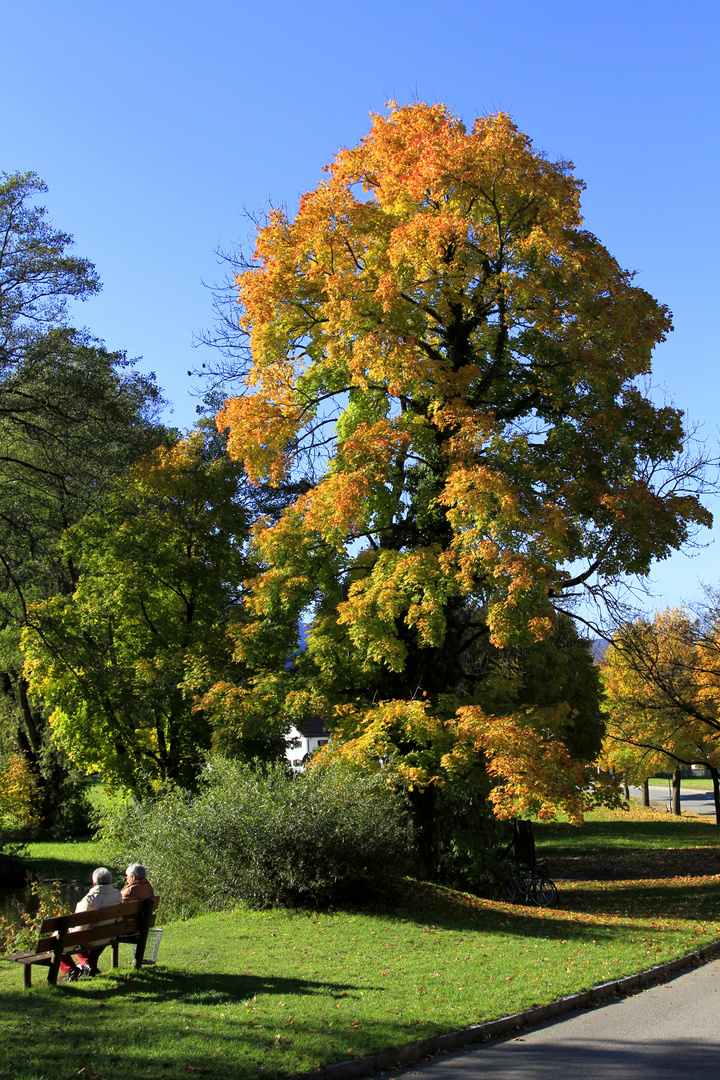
(255, 833)
(469, 841)
(19, 928)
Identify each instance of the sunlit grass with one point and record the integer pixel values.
(69, 860)
(634, 827)
(280, 992)
(696, 783)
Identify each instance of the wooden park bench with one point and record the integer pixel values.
(83, 930)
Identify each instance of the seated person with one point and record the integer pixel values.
(138, 887)
(102, 894)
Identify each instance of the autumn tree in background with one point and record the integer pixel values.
(662, 689)
(437, 346)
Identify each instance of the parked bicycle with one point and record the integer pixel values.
(530, 885)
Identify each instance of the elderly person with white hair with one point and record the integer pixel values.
(103, 894)
(138, 887)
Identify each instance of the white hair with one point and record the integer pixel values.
(102, 876)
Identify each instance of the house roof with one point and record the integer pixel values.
(312, 728)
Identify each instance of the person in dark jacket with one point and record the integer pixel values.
(138, 887)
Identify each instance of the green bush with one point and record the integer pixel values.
(469, 841)
(257, 834)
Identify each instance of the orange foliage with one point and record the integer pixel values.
(450, 359)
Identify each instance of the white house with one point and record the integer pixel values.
(303, 740)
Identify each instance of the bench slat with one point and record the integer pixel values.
(87, 918)
(100, 932)
(33, 958)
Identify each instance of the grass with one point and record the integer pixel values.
(635, 828)
(69, 860)
(696, 784)
(282, 992)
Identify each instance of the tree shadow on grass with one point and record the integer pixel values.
(166, 1024)
(166, 984)
(438, 910)
(659, 899)
(642, 864)
(662, 831)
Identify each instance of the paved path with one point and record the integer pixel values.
(667, 1032)
(692, 800)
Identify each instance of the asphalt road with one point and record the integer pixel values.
(668, 1032)
(695, 802)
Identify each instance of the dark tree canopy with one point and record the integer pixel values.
(73, 417)
(37, 275)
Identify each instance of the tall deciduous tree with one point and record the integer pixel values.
(452, 362)
(73, 417)
(122, 658)
(37, 273)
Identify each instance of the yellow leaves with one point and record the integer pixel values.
(260, 427)
(660, 679)
(407, 585)
(509, 543)
(352, 495)
(533, 772)
(534, 775)
(17, 794)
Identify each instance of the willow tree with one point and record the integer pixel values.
(454, 366)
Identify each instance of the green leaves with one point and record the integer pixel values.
(145, 629)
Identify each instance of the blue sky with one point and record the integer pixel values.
(154, 124)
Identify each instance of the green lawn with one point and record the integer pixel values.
(690, 782)
(633, 828)
(70, 860)
(282, 992)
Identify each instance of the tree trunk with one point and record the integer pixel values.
(676, 793)
(646, 792)
(626, 788)
(422, 805)
(716, 792)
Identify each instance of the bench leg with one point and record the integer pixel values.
(145, 917)
(27, 976)
(59, 949)
(115, 951)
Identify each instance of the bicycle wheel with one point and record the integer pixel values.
(511, 890)
(544, 892)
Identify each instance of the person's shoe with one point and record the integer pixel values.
(75, 975)
(87, 969)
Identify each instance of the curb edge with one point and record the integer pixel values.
(505, 1025)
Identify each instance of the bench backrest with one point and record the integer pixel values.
(84, 927)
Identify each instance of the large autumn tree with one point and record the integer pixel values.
(454, 364)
